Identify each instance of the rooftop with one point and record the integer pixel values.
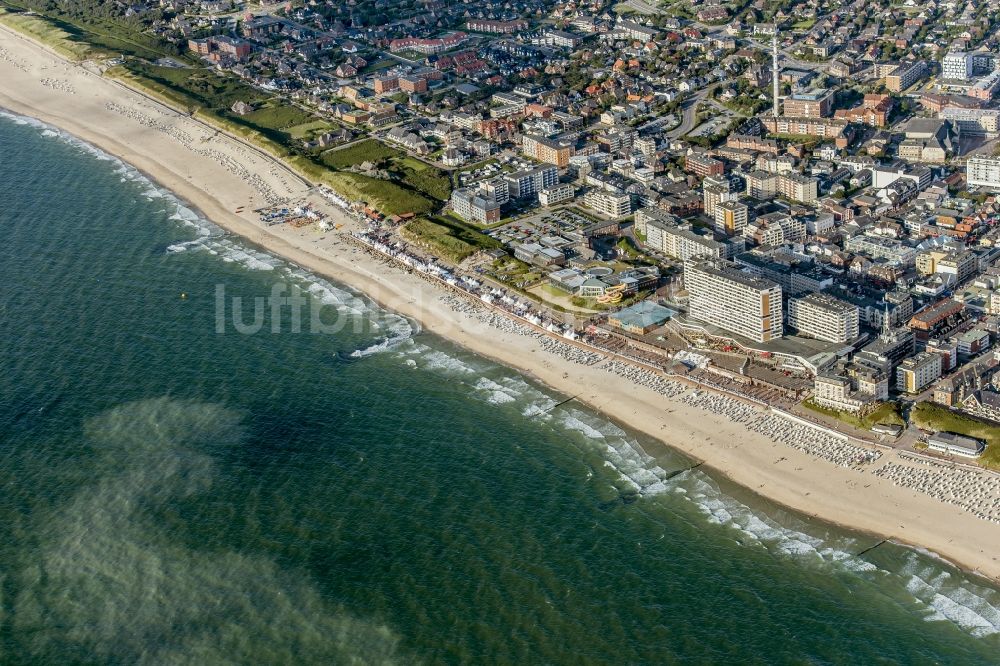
(644, 314)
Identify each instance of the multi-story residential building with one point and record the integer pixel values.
(936, 318)
(972, 121)
(428, 46)
(546, 150)
(917, 373)
(993, 305)
(556, 194)
(835, 392)
(986, 87)
(644, 216)
(824, 317)
(956, 267)
(983, 171)
(851, 388)
(974, 342)
(731, 217)
(762, 184)
(793, 279)
(496, 188)
(413, 84)
(905, 75)
(714, 192)
(818, 104)
(957, 66)
(874, 111)
(703, 165)
(947, 347)
(722, 295)
(751, 142)
(528, 183)
(633, 30)
(875, 247)
(497, 27)
(470, 205)
(384, 84)
(683, 243)
(797, 187)
(826, 128)
(562, 39)
(608, 203)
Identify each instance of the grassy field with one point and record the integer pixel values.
(930, 416)
(198, 87)
(309, 129)
(278, 116)
(446, 238)
(387, 196)
(886, 414)
(55, 37)
(369, 150)
(423, 177)
(414, 174)
(78, 38)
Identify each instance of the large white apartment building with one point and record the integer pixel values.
(722, 295)
(609, 204)
(983, 171)
(530, 182)
(957, 66)
(824, 317)
(681, 242)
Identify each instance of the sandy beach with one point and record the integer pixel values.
(218, 175)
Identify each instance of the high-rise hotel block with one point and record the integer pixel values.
(722, 295)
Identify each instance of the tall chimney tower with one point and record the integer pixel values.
(776, 109)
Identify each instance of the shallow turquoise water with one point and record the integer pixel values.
(171, 494)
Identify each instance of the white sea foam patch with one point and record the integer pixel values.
(440, 362)
(383, 345)
(233, 251)
(621, 452)
(722, 509)
(495, 393)
(399, 331)
(953, 598)
(117, 581)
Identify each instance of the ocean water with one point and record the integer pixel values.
(172, 494)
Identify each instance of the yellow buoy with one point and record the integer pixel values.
(184, 295)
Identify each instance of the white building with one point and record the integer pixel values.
(682, 243)
(722, 295)
(983, 171)
(556, 194)
(609, 204)
(954, 444)
(957, 66)
(824, 317)
(530, 182)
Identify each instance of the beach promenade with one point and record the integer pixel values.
(889, 494)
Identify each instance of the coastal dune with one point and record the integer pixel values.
(218, 175)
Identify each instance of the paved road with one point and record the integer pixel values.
(689, 118)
